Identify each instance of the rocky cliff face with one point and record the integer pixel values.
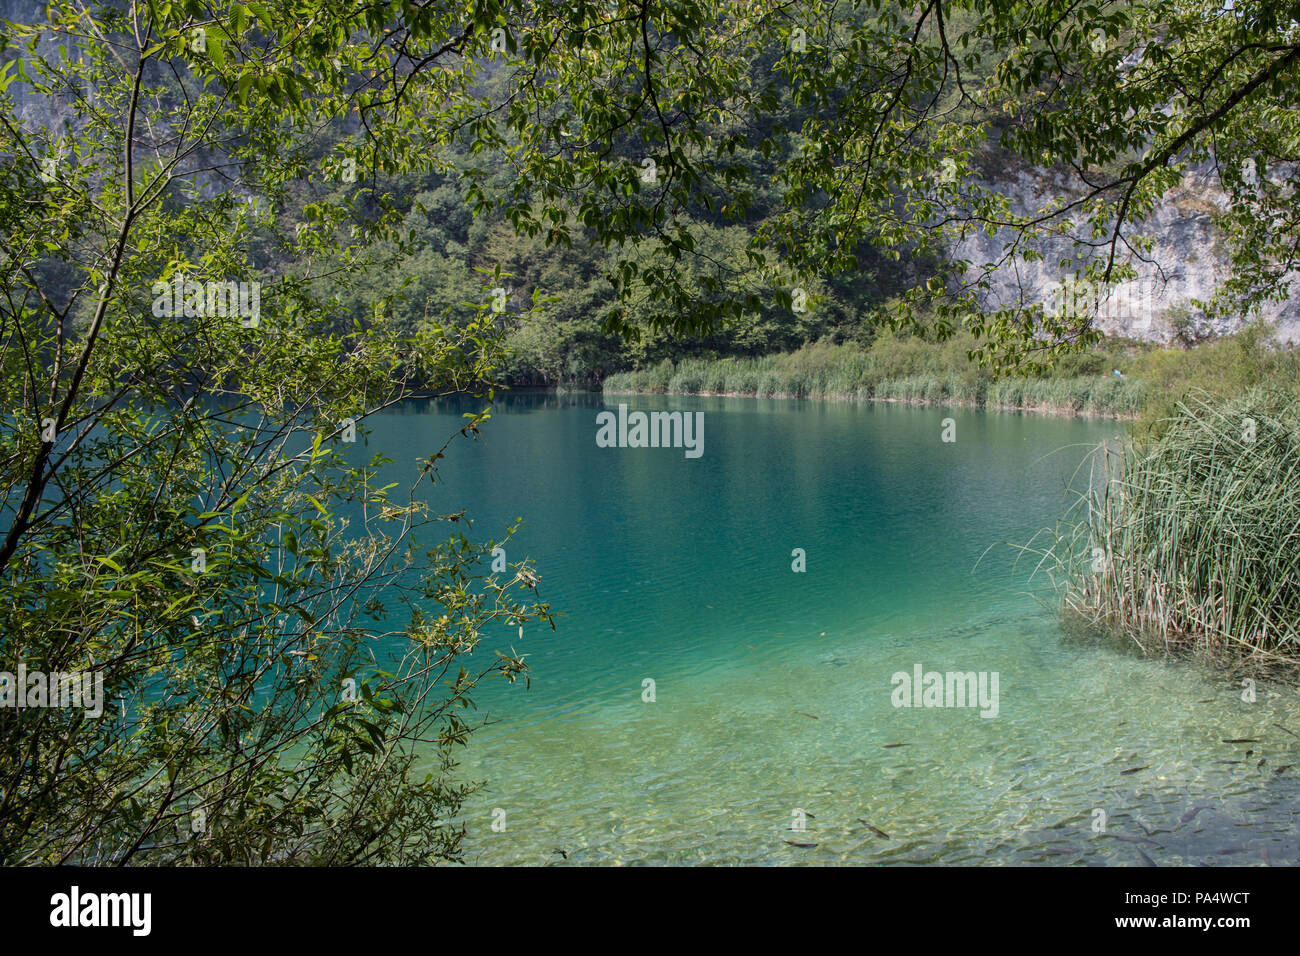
(32, 109)
(22, 11)
(1188, 263)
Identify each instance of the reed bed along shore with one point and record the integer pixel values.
(857, 378)
(1191, 541)
(897, 368)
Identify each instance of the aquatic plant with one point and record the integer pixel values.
(1192, 540)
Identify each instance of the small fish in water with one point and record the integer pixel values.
(1134, 769)
(751, 647)
(559, 851)
(1241, 740)
(1146, 860)
(1227, 761)
(1208, 700)
(1250, 753)
(1132, 839)
(887, 746)
(1285, 766)
(1262, 761)
(1230, 850)
(1190, 815)
(1284, 730)
(805, 846)
(813, 716)
(876, 830)
(1268, 860)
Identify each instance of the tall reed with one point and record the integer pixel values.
(887, 373)
(1192, 541)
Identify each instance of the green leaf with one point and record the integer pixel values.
(215, 51)
(260, 11)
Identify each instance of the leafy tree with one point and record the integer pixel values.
(1116, 100)
(284, 639)
(893, 125)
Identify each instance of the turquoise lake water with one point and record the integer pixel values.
(774, 710)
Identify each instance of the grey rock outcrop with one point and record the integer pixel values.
(1188, 263)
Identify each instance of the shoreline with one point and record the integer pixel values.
(1055, 410)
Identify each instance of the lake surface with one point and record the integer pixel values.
(774, 720)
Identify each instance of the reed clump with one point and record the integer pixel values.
(1191, 541)
(892, 370)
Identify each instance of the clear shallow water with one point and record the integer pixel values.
(773, 688)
